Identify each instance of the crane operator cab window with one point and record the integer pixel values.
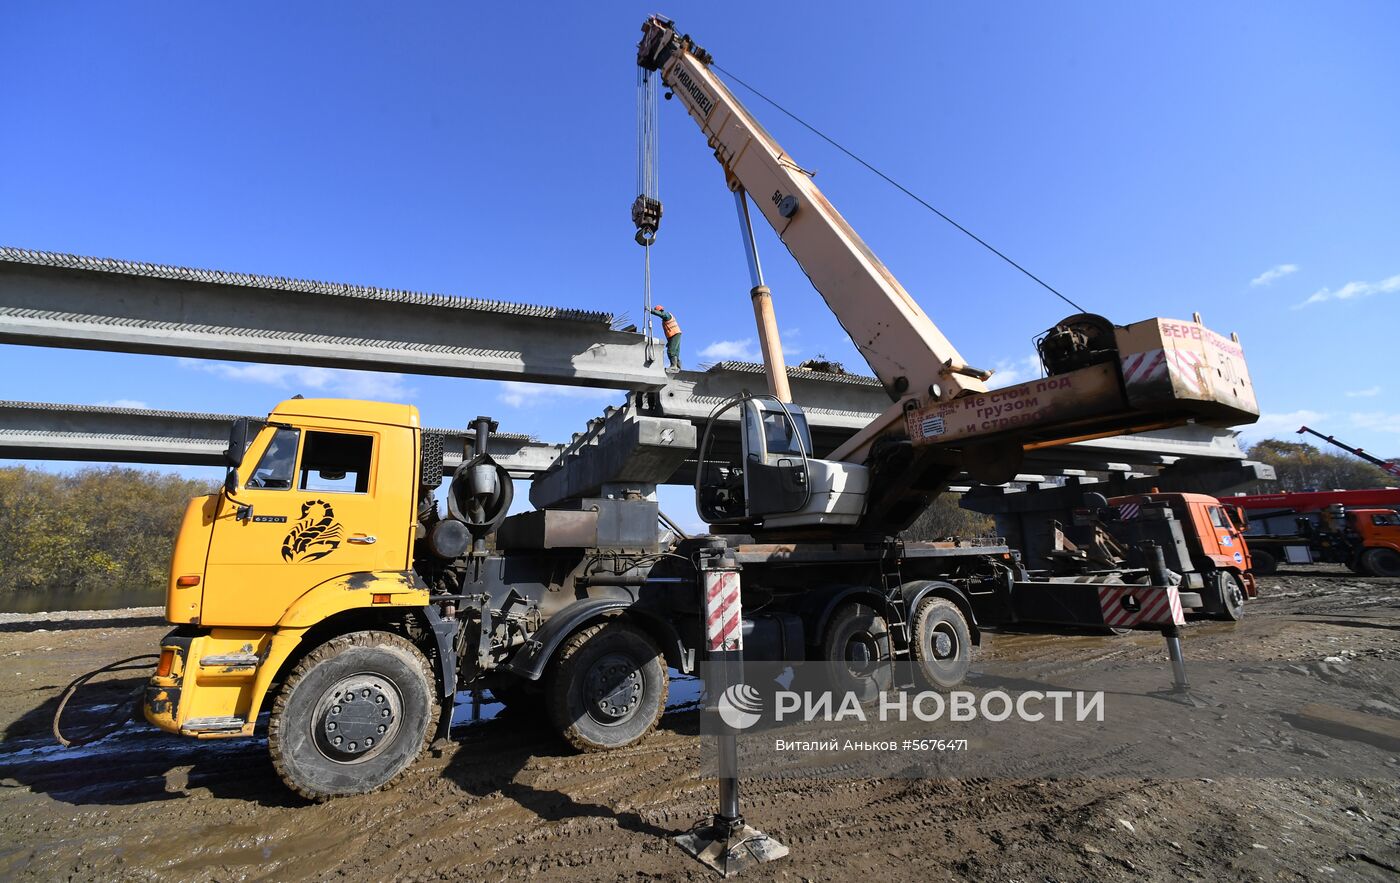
(776, 445)
(765, 473)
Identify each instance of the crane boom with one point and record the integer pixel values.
(1104, 379)
(1390, 467)
(889, 328)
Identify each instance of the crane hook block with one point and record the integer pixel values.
(646, 214)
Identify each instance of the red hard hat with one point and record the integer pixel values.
(658, 307)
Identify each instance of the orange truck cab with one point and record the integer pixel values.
(1210, 550)
(1375, 538)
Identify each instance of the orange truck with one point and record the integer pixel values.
(1199, 539)
(1358, 528)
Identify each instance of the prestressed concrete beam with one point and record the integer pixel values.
(59, 300)
(41, 431)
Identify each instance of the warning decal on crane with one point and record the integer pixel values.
(723, 624)
(1133, 606)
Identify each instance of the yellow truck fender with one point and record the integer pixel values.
(379, 588)
(383, 588)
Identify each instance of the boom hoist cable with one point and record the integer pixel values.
(901, 188)
(646, 208)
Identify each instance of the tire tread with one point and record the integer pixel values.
(328, 650)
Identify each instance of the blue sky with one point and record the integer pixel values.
(1147, 159)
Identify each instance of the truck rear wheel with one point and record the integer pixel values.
(1380, 562)
(1264, 562)
(607, 687)
(352, 717)
(858, 649)
(1228, 603)
(941, 643)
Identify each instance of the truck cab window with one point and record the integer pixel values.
(336, 462)
(1390, 520)
(1217, 518)
(274, 469)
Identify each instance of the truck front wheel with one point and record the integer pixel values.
(1229, 596)
(607, 687)
(353, 715)
(1380, 562)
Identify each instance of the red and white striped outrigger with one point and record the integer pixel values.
(1140, 606)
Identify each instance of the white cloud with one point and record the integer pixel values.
(1353, 290)
(518, 394)
(1010, 372)
(733, 351)
(1269, 425)
(1364, 393)
(125, 403)
(383, 386)
(1273, 274)
(1377, 421)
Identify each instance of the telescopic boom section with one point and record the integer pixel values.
(898, 340)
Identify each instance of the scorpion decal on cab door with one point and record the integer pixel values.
(315, 535)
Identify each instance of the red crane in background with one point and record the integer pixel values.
(1389, 466)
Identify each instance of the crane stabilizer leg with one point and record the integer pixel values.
(727, 844)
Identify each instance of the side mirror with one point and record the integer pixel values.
(237, 443)
(231, 481)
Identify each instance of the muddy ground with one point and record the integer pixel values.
(505, 801)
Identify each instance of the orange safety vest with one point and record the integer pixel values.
(670, 327)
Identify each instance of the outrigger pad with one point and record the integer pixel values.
(729, 849)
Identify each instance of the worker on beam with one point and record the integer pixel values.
(672, 329)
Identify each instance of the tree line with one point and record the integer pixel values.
(1303, 467)
(94, 528)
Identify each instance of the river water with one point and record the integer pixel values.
(39, 601)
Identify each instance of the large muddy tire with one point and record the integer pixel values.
(1264, 562)
(352, 717)
(859, 652)
(606, 687)
(941, 643)
(1380, 562)
(1227, 601)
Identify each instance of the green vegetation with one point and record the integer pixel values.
(96, 528)
(1301, 467)
(945, 519)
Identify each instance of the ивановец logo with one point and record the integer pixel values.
(740, 706)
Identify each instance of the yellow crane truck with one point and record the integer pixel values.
(323, 586)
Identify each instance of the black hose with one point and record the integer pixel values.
(124, 711)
